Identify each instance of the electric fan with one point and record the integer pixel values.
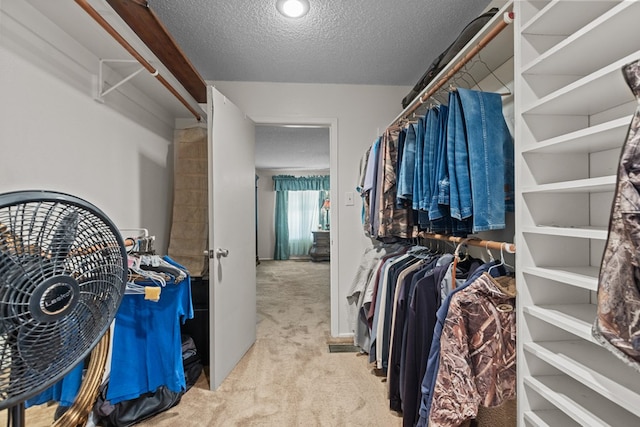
(63, 273)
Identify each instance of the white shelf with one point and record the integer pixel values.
(595, 93)
(551, 20)
(601, 137)
(574, 318)
(570, 57)
(573, 111)
(594, 367)
(589, 185)
(581, 277)
(583, 405)
(586, 232)
(549, 418)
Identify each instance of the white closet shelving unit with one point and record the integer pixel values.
(572, 112)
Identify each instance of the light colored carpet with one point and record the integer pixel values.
(289, 378)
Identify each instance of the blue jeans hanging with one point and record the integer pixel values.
(487, 135)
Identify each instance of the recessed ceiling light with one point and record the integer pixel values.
(293, 8)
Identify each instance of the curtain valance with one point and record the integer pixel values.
(303, 183)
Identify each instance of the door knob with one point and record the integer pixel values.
(222, 252)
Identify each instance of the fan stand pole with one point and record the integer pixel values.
(16, 415)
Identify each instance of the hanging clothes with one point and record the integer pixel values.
(411, 325)
(386, 309)
(147, 348)
(406, 168)
(381, 308)
(453, 168)
(451, 172)
(64, 391)
(420, 324)
(495, 269)
(369, 189)
(478, 352)
(487, 136)
(460, 207)
(617, 324)
(393, 222)
(360, 288)
(406, 282)
(424, 299)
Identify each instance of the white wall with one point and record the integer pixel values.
(267, 204)
(54, 136)
(362, 111)
(117, 155)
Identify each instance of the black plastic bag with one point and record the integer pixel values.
(130, 412)
(445, 57)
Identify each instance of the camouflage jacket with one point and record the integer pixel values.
(617, 325)
(393, 221)
(477, 352)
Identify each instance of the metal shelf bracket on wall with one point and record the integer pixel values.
(100, 91)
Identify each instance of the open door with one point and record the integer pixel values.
(232, 265)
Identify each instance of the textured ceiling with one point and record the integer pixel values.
(382, 42)
(279, 147)
(386, 42)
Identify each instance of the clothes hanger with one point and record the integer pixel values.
(502, 263)
(461, 76)
(157, 264)
(151, 293)
(456, 259)
(414, 118)
(502, 246)
(134, 266)
(456, 253)
(486, 247)
(508, 91)
(474, 80)
(444, 95)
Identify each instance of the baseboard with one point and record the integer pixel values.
(341, 339)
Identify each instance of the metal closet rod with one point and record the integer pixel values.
(154, 72)
(416, 103)
(472, 241)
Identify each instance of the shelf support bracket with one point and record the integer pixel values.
(101, 92)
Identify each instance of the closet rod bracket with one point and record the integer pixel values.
(100, 90)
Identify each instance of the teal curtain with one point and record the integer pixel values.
(301, 183)
(282, 226)
(282, 184)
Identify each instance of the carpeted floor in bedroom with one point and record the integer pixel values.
(288, 377)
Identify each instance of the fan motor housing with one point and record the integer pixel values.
(54, 298)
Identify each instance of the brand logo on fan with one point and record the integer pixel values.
(57, 298)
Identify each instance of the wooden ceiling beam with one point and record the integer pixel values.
(146, 24)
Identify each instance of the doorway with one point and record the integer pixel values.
(295, 159)
(321, 125)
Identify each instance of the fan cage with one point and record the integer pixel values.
(63, 272)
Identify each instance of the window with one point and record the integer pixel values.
(303, 217)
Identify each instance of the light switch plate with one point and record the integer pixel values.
(348, 197)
